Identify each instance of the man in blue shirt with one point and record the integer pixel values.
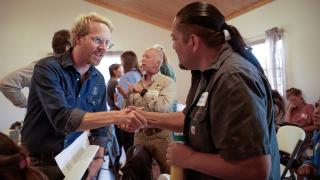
(68, 94)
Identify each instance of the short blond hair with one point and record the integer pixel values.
(81, 26)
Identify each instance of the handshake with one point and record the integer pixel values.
(132, 119)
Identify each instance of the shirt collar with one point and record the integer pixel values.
(156, 76)
(222, 55)
(67, 62)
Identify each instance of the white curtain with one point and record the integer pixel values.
(275, 62)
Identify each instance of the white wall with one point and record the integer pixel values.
(27, 28)
(300, 20)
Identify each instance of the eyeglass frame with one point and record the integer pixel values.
(100, 40)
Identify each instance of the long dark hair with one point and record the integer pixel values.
(14, 163)
(130, 60)
(278, 102)
(207, 22)
(113, 67)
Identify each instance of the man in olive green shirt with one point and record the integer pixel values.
(156, 93)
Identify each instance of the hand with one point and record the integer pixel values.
(178, 154)
(291, 106)
(122, 91)
(132, 120)
(94, 168)
(306, 170)
(137, 89)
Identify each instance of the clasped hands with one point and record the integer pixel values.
(133, 119)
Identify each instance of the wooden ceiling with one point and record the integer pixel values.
(162, 12)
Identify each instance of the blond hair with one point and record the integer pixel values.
(81, 26)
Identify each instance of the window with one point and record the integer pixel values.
(272, 63)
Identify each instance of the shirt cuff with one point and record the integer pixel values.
(75, 120)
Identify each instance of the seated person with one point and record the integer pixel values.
(139, 165)
(311, 168)
(298, 111)
(279, 108)
(15, 163)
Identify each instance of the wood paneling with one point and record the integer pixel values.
(162, 12)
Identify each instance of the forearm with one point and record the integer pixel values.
(287, 117)
(251, 168)
(14, 95)
(100, 152)
(171, 121)
(100, 119)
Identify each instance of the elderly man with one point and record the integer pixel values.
(156, 93)
(68, 94)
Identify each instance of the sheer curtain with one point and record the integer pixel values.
(275, 63)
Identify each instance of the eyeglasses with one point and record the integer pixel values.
(99, 40)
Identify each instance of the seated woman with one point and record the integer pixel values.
(311, 168)
(14, 162)
(298, 111)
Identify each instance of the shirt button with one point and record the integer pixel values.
(78, 79)
(79, 96)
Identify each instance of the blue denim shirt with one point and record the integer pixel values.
(315, 159)
(132, 76)
(57, 103)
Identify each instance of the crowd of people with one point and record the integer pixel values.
(229, 121)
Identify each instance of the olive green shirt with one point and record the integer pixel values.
(160, 96)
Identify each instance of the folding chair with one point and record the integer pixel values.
(290, 139)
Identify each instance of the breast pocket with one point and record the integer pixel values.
(198, 114)
(94, 102)
(198, 129)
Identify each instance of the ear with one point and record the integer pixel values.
(194, 42)
(77, 40)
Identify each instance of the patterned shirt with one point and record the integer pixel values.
(160, 96)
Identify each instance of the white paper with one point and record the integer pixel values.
(74, 160)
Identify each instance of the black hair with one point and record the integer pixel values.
(61, 40)
(208, 23)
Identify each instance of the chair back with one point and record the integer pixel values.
(290, 139)
(164, 177)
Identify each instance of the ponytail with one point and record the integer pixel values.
(238, 45)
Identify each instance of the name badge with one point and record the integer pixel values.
(193, 130)
(203, 99)
(153, 93)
